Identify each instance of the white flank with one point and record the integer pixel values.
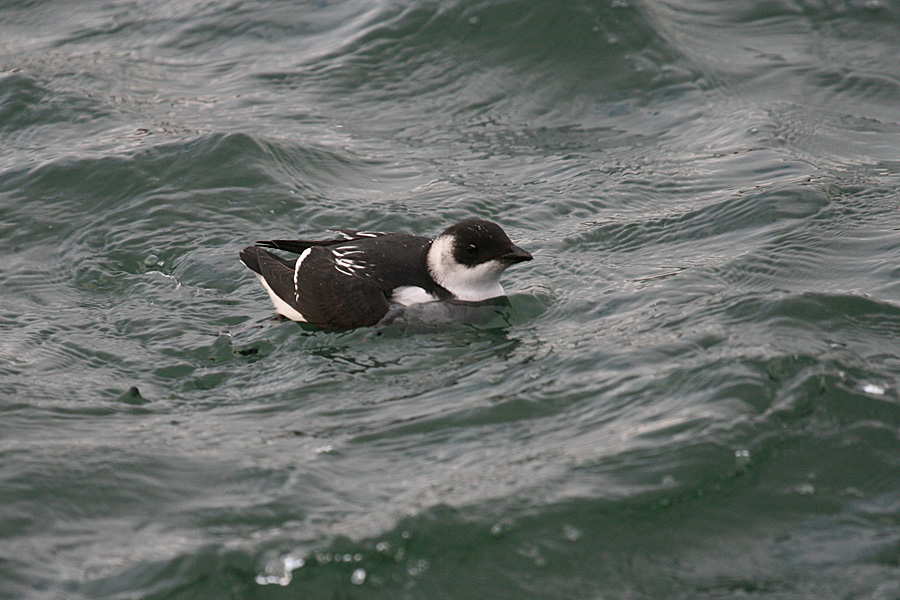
(471, 284)
(281, 307)
(411, 294)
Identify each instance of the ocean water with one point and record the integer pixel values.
(694, 392)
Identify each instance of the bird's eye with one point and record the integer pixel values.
(471, 249)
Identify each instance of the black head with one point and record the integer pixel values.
(476, 241)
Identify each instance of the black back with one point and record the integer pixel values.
(331, 295)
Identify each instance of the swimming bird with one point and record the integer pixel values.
(353, 282)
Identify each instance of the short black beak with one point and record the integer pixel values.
(516, 255)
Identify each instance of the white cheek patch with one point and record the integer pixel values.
(411, 294)
(472, 284)
(478, 283)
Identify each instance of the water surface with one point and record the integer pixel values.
(692, 394)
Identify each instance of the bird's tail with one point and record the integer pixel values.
(250, 257)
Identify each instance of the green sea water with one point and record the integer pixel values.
(694, 392)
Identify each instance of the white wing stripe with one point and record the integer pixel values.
(300, 260)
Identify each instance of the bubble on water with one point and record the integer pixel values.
(571, 533)
(805, 489)
(875, 390)
(532, 552)
(280, 572)
(358, 577)
(417, 568)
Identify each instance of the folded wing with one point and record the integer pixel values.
(322, 291)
